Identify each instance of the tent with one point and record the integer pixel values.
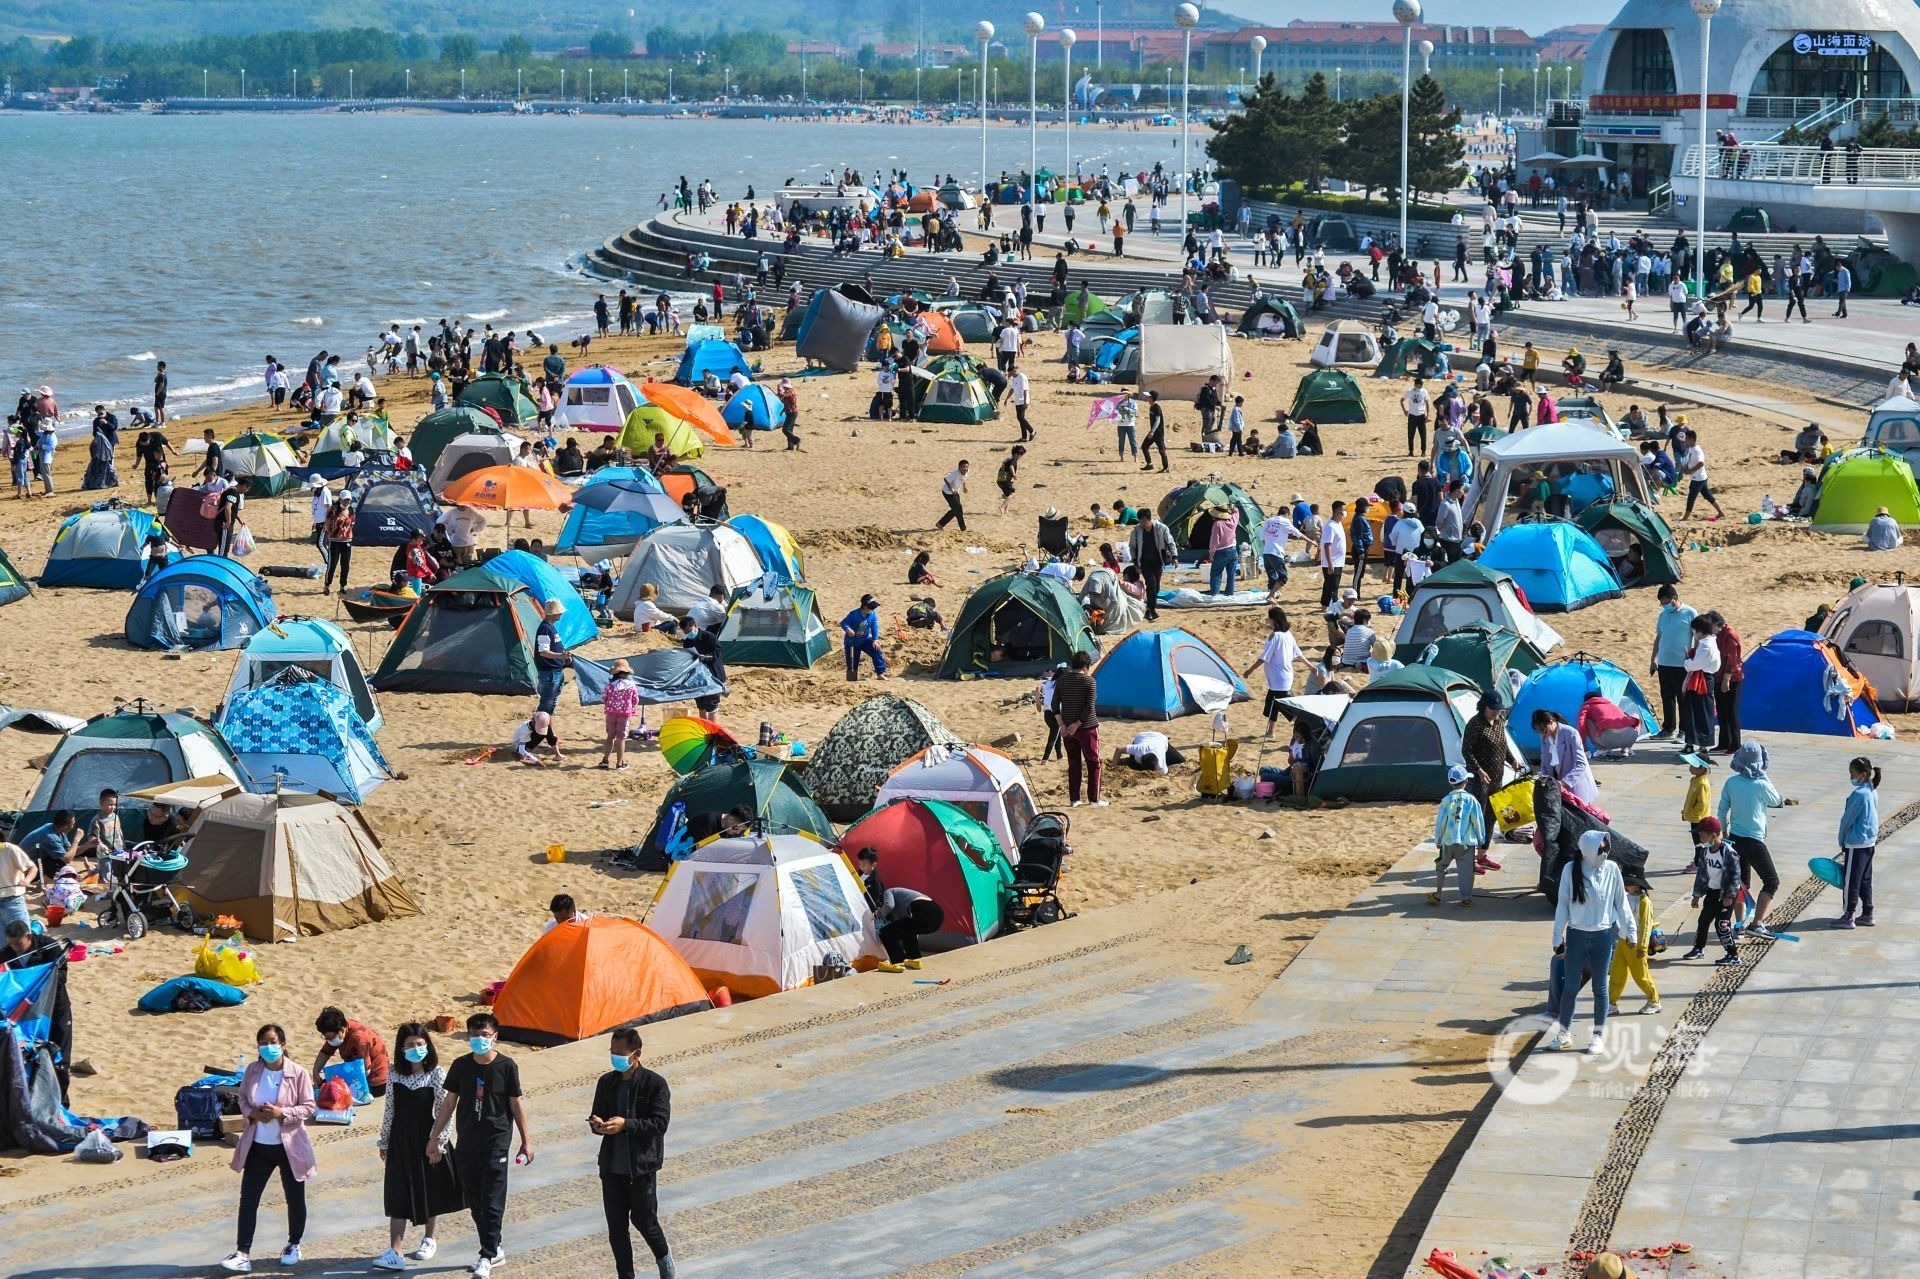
(103, 548)
(613, 510)
(1558, 565)
(722, 359)
(1564, 686)
(650, 421)
(1800, 683)
(835, 334)
(1268, 316)
(778, 553)
(1165, 674)
(589, 976)
(1082, 305)
(596, 398)
(685, 562)
(1458, 595)
(311, 644)
(262, 457)
(207, 601)
(935, 848)
(1894, 425)
(1876, 627)
(1582, 462)
(769, 414)
(955, 391)
(1496, 659)
(1188, 515)
(437, 429)
(1177, 359)
(1408, 357)
(939, 334)
(662, 675)
(13, 587)
(368, 434)
(505, 398)
(773, 793)
(979, 781)
(778, 627)
(544, 583)
(972, 322)
(758, 914)
(691, 407)
(127, 749)
(469, 452)
(854, 757)
(684, 480)
(1346, 342)
(1016, 624)
(299, 732)
(389, 507)
(1621, 526)
(288, 866)
(1110, 610)
(1117, 356)
(472, 633)
(1857, 483)
(1399, 735)
(1329, 396)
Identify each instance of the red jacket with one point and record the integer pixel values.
(1728, 642)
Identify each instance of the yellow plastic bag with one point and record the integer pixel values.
(1513, 805)
(229, 961)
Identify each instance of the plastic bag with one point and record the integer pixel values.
(334, 1095)
(94, 1148)
(354, 1075)
(243, 543)
(230, 961)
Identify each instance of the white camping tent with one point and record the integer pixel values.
(1459, 595)
(1346, 342)
(982, 782)
(685, 562)
(1575, 455)
(471, 451)
(595, 398)
(1875, 627)
(1177, 359)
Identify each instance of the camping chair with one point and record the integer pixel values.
(1055, 538)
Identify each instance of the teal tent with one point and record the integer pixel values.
(1017, 624)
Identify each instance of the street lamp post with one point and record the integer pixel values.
(463, 84)
(1033, 24)
(1336, 84)
(243, 82)
(1706, 9)
(410, 82)
(1186, 16)
(983, 32)
(293, 84)
(1259, 46)
(1099, 35)
(1067, 37)
(518, 92)
(1426, 57)
(203, 82)
(563, 84)
(1536, 84)
(1406, 13)
(1500, 98)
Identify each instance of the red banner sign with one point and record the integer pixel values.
(1603, 102)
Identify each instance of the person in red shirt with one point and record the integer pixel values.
(352, 1041)
(1726, 688)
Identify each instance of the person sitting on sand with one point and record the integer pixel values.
(1883, 532)
(919, 573)
(1805, 498)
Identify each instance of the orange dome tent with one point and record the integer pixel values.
(942, 337)
(585, 977)
(691, 407)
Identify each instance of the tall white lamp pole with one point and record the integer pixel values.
(1034, 24)
(1187, 16)
(1406, 13)
(1259, 46)
(1067, 37)
(984, 34)
(1706, 9)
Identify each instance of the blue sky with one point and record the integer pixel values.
(1465, 12)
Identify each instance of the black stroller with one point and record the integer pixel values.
(136, 887)
(1033, 897)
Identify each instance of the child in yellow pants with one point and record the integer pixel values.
(1631, 961)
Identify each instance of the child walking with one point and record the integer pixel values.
(1716, 880)
(1458, 832)
(1698, 805)
(1859, 833)
(619, 703)
(1630, 958)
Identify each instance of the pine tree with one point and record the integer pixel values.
(1434, 150)
(1370, 155)
(1247, 145)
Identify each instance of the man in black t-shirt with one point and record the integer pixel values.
(483, 1103)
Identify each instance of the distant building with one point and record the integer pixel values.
(1569, 43)
(1303, 47)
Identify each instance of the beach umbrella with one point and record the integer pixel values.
(689, 743)
(690, 407)
(1587, 162)
(628, 497)
(1545, 158)
(508, 488)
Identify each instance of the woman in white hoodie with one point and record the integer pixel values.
(1696, 694)
(1591, 914)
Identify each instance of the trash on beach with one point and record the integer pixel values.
(1241, 955)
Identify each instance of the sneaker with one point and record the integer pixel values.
(1652, 1007)
(1695, 953)
(1464, 902)
(1613, 1010)
(1559, 1044)
(1866, 920)
(1596, 1043)
(1758, 931)
(1845, 921)
(1099, 803)
(891, 968)
(913, 965)
(499, 1257)
(390, 1260)
(238, 1262)
(1078, 803)
(290, 1255)
(426, 1250)
(1729, 960)
(482, 1268)
(1434, 898)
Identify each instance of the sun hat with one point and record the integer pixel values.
(554, 608)
(1693, 759)
(621, 667)
(1051, 513)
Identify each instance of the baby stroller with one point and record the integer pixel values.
(1033, 897)
(136, 887)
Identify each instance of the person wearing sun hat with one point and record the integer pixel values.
(550, 662)
(618, 703)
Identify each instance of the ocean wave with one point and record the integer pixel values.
(407, 324)
(219, 388)
(486, 315)
(557, 321)
(310, 319)
(141, 358)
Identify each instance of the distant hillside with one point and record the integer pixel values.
(548, 23)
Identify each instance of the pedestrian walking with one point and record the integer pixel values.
(276, 1100)
(1859, 833)
(1842, 286)
(1151, 548)
(953, 489)
(1007, 479)
(1591, 913)
(1459, 832)
(339, 542)
(632, 1107)
(1672, 637)
(1716, 881)
(483, 1103)
(1276, 659)
(415, 1192)
(1727, 684)
(1156, 434)
(1074, 698)
(1333, 553)
(550, 662)
(1744, 801)
(1416, 404)
(1696, 692)
(1631, 960)
(1019, 389)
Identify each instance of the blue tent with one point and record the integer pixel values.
(611, 512)
(663, 675)
(806, 316)
(102, 548)
(543, 582)
(722, 359)
(1558, 566)
(301, 732)
(1798, 683)
(1108, 355)
(1164, 675)
(769, 414)
(207, 601)
(775, 548)
(1564, 686)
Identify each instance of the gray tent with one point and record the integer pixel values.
(837, 335)
(855, 756)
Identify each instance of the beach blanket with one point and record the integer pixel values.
(1187, 597)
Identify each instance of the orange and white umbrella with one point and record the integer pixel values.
(692, 408)
(508, 488)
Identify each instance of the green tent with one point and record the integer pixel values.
(504, 395)
(956, 391)
(1030, 620)
(1484, 653)
(939, 849)
(1407, 357)
(1266, 304)
(13, 586)
(264, 458)
(1082, 305)
(773, 793)
(1619, 526)
(1398, 736)
(1857, 483)
(1189, 519)
(781, 628)
(473, 633)
(1329, 396)
(437, 430)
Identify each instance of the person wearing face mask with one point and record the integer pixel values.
(415, 1191)
(483, 1103)
(1590, 916)
(276, 1100)
(631, 1109)
(353, 1041)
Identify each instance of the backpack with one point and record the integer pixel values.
(198, 1110)
(210, 505)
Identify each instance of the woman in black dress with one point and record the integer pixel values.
(417, 1192)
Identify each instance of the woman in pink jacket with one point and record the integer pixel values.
(276, 1099)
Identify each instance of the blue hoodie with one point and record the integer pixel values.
(1860, 823)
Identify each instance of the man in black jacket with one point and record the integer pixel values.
(631, 1109)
